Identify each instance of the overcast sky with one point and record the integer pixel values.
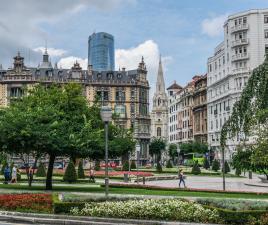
(184, 32)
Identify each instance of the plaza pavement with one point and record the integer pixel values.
(215, 183)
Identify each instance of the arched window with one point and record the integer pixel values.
(159, 101)
(158, 131)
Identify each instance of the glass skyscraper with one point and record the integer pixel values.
(101, 51)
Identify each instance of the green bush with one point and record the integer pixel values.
(97, 165)
(169, 164)
(196, 169)
(65, 207)
(125, 166)
(239, 217)
(81, 174)
(234, 204)
(226, 167)
(4, 164)
(41, 170)
(133, 165)
(70, 173)
(152, 209)
(206, 163)
(215, 165)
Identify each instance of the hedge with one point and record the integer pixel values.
(237, 217)
(65, 207)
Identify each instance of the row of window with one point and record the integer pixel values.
(225, 106)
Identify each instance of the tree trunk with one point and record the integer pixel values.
(50, 172)
(125, 157)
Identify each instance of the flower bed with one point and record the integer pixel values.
(121, 173)
(111, 173)
(26, 202)
(155, 209)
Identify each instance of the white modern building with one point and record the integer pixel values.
(243, 49)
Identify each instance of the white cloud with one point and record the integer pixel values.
(51, 51)
(68, 62)
(213, 26)
(130, 58)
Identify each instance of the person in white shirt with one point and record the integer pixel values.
(14, 174)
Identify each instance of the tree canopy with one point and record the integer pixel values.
(57, 121)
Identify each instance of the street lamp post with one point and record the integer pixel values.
(138, 148)
(178, 151)
(223, 168)
(106, 116)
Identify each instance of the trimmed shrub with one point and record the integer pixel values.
(4, 164)
(169, 164)
(41, 170)
(70, 173)
(18, 175)
(125, 166)
(206, 163)
(81, 174)
(133, 165)
(97, 165)
(196, 169)
(226, 167)
(215, 165)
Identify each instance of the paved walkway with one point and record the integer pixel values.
(232, 184)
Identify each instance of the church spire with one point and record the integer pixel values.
(160, 84)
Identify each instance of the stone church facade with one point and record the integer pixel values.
(159, 114)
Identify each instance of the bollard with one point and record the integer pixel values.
(250, 174)
(143, 180)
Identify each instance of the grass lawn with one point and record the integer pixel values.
(97, 189)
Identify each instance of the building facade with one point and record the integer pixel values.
(173, 112)
(181, 120)
(101, 51)
(159, 114)
(243, 49)
(126, 92)
(200, 110)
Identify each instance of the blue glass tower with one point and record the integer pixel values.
(101, 51)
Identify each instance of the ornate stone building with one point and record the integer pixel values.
(126, 92)
(159, 114)
(200, 110)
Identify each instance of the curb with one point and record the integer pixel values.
(33, 218)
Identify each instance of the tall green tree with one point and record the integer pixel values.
(54, 121)
(172, 151)
(156, 147)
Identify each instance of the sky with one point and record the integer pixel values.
(185, 33)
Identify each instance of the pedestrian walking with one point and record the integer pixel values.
(7, 174)
(92, 175)
(14, 174)
(181, 178)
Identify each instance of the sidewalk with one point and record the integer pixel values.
(33, 218)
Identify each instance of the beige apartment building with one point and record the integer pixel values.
(126, 92)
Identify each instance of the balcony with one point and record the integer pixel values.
(239, 27)
(240, 56)
(239, 42)
(241, 70)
